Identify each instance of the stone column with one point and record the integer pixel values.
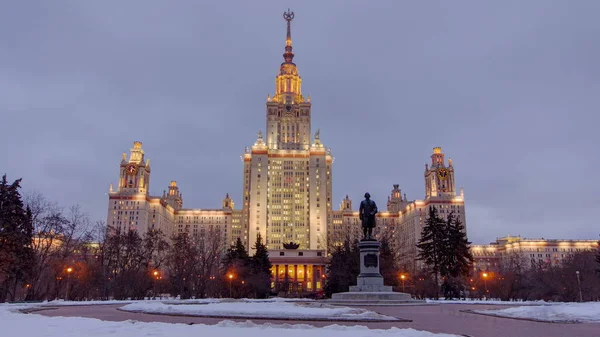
(295, 278)
(286, 279)
(304, 286)
(314, 277)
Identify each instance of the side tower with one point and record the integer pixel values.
(439, 178)
(127, 205)
(440, 187)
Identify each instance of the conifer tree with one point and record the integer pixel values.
(343, 268)
(458, 258)
(16, 235)
(388, 266)
(236, 265)
(260, 269)
(432, 245)
(598, 258)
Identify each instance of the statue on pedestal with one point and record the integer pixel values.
(367, 212)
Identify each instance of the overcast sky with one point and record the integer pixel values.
(508, 89)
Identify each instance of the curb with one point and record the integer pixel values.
(300, 319)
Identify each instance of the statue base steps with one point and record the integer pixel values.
(375, 298)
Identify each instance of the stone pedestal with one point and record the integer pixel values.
(369, 279)
(369, 288)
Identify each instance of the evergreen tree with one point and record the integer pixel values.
(388, 266)
(458, 259)
(432, 245)
(598, 258)
(343, 268)
(236, 265)
(16, 235)
(260, 276)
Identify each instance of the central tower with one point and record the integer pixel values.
(288, 113)
(287, 179)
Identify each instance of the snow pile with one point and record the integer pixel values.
(478, 301)
(26, 325)
(276, 309)
(560, 312)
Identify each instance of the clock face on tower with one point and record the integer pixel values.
(442, 173)
(131, 169)
(288, 108)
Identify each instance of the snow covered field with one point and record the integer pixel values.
(256, 309)
(30, 325)
(556, 312)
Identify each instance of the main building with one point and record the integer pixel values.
(287, 194)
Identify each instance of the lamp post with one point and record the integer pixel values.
(403, 278)
(230, 282)
(69, 271)
(485, 275)
(579, 286)
(155, 282)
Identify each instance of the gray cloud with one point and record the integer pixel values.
(509, 90)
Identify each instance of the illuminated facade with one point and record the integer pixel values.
(286, 196)
(527, 251)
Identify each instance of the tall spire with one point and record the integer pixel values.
(288, 56)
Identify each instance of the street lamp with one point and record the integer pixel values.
(69, 271)
(230, 282)
(579, 286)
(403, 278)
(485, 275)
(156, 276)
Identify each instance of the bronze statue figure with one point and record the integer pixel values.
(367, 212)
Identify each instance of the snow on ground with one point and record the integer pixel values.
(478, 301)
(30, 325)
(275, 309)
(560, 312)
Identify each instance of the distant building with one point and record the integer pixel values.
(528, 251)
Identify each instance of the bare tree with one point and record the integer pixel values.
(130, 259)
(57, 237)
(210, 251)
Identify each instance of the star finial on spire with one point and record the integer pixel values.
(288, 56)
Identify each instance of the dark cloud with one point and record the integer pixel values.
(509, 90)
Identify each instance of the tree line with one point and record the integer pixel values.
(48, 252)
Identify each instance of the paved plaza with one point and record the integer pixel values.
(446, 318)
